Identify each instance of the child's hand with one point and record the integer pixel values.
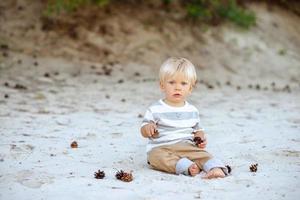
(203, 143)
(149, 130)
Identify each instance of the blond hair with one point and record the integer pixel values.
(175, 65)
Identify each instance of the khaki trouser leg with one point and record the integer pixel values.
(164, 158)
(193, 153)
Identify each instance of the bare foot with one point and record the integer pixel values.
(194, 169)
(214, 173)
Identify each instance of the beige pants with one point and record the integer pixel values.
(164, 158)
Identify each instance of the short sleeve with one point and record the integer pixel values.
(198, 125)
(148, 117)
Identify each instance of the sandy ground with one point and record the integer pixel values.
(101, 113)
(248, 97)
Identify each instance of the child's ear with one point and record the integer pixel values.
(161, 85)
(191, 88)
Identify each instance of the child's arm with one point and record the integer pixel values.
(149, 130)
(148, 127)
(201, 134)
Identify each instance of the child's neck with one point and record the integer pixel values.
(179, 104)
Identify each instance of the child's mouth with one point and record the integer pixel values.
(177, 95)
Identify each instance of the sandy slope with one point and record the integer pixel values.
(68, 99)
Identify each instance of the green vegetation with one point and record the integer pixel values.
(208, 11)
(58, 6)
(282, 52)
(217, 10)
(236, 14)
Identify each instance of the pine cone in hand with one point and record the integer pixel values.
(253, 167)
(124, 176)
(99, 174)
(198, 140)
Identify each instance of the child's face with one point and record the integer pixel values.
(176, 89)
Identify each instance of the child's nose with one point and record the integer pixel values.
(178, 87)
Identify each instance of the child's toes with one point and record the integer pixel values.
(218, 173)
(208, 175)
(194, 170)
(214, 173)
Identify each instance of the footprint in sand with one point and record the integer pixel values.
(287, 153)
(247, 139)
(33, 179)
(245, 182)
(116, 135)
(21, 151)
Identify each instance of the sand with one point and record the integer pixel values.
(248, 97)
(244, 127)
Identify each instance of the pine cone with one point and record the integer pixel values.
(198, 140)
(253, 167)
(119, 174)
(127, 177)
(124, 176)
(74, 144)
(228, 169)
(99, 174)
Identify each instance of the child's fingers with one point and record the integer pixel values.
(150, 134)
(152, 131)
(154, 126)
(208, 175)
(149, 131)
(155, 135)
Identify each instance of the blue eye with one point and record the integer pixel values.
(184, 83)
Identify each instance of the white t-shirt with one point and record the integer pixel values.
(174, 124)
